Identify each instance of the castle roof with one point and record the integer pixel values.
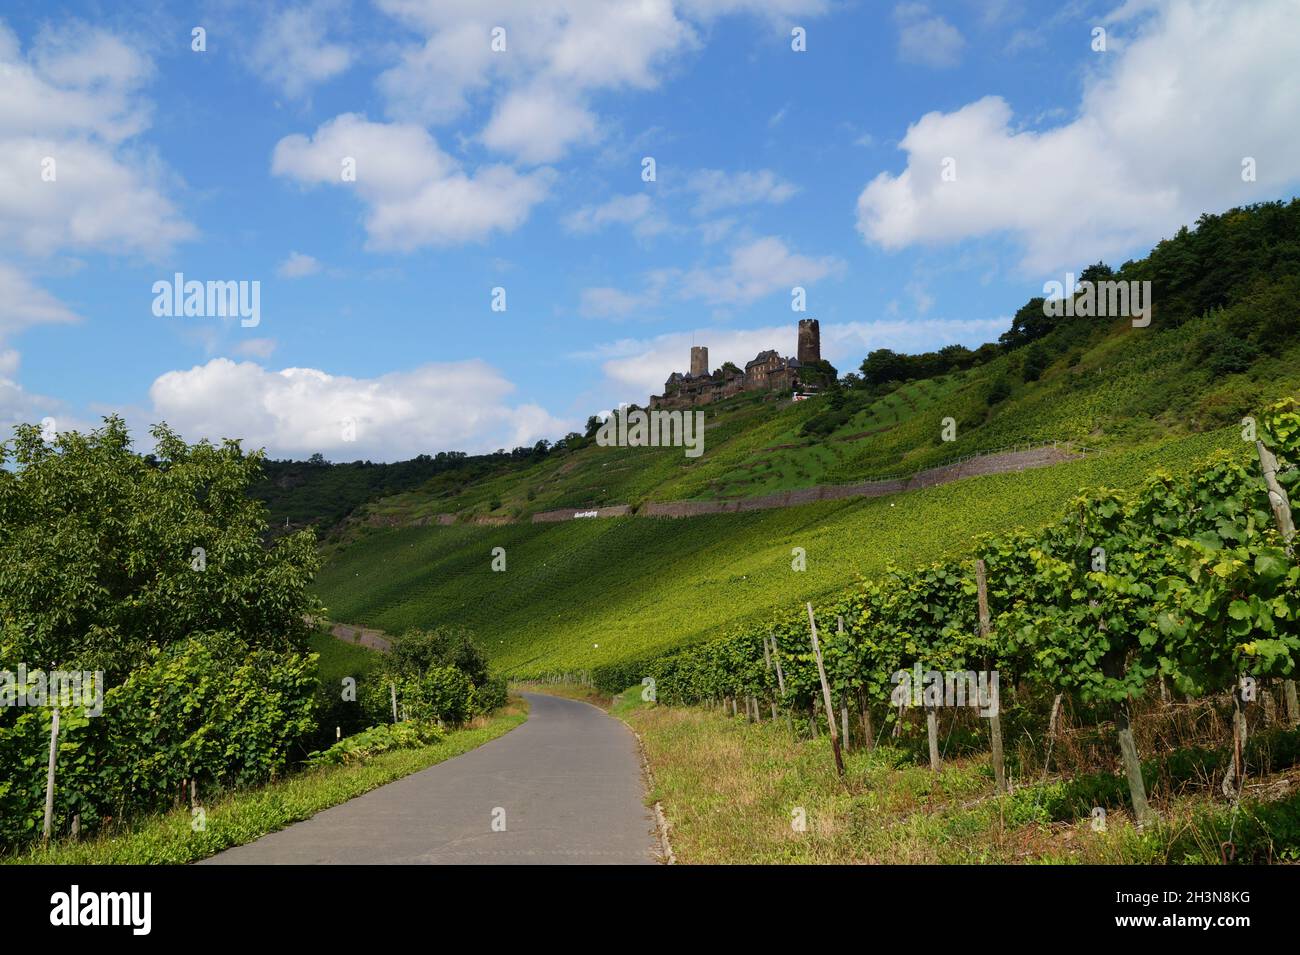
(763, 357)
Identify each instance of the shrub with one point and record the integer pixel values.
(416, 650)
(211, 709)
(376, 740)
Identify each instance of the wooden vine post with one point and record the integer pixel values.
(995, 719)
(826, 693)
(844, 698)
(1235, 778)
(780, 683)
(767, 664)
(866, 720)
(1133, 768)
(49, 776)
(932, 732)
(1281, 505)
(1137, 789)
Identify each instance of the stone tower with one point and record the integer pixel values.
(810, 341)
(699, 361)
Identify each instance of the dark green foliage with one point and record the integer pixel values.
(211, 709)
(417, 650)
(438, 674)
(1037, 358)
(98, 560)
(205, 673)
(999, 391)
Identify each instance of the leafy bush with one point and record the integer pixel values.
(999, 391)
(416, 650)
(211, 709)
(491, 694)
(439, 693)
(1221, 353)
(439, 674)
(152, 569)
(376, 740)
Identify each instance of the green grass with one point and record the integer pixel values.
(580, 594)
(731, 791)
(244, 816)
(339, 659)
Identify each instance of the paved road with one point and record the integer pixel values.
(569, 782)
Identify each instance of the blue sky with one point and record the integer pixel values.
(522, 169)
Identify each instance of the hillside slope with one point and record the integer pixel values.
(1224, 338)
(580, 594)
(1224, 341)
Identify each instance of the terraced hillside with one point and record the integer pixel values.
(579, 594)
(1224, 341)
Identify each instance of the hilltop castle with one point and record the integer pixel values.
(767, 372)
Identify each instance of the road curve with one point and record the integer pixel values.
(567, 785)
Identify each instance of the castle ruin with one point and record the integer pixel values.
(767, 372)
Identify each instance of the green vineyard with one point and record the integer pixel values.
(1191, 584)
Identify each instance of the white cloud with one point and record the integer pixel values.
(22, 306)
(68, 109)
(415, 194)
(755, 270)
(636, 211)
(539, 124)
(926, 38)
(256, 347)
(292, 52)
(1158, 138)
(298, 411)
(718, 189)
(559, 53)
(297, 265)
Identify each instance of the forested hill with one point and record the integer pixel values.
(1223, 339)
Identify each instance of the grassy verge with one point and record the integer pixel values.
(241, 817)
(736, 793)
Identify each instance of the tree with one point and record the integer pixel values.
(1036, 361)
(1028, 325)
(417, 651)
(882, 366)
(105, 554)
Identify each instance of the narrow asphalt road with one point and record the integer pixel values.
(565, 787)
